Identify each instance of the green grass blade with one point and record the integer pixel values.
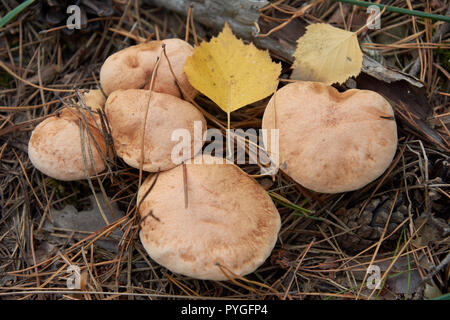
(286, 203)
(443, 297)
(14, 12)
(416, 13)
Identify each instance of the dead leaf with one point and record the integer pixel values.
(431, 291)
(327, 54)
(433, 230)
(407, 95)
(71, 220)
(41, 253)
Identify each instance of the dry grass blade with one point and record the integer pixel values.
(144, 126)
(5, 67)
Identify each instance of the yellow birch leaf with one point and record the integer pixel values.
(327, 54)
(230, 72)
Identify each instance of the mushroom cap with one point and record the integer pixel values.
(55, 148)
(132, 67)
(126, 111)
(331, 142)
(230, 220)
(94, 99)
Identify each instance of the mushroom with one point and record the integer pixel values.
(94, 99)
(229, 223)
(55, 147)
(131, 68)
(126, 112)
(331, 142)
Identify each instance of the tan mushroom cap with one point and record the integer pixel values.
(230, 220)
(329, 141)
(55, 148)
(132, 67)
(94, 99)
(126, 111)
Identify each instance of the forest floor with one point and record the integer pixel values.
(319, 255)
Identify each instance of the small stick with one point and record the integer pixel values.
(148, 191)
(188, 19)
(296, 14)
(193, 28)
(155, 70)
(99, 85)
(435, 270)
(185, 186)
(157, 32)
(12, 73)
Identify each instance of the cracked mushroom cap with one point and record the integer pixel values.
(229, 221)
(331, 142)
(126, 110)
(132, 67)
(55, 148)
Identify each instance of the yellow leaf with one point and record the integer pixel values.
(327, 54)
(231, 73)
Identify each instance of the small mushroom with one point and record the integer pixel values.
(132, 67)
(230, 223)
(55, 147)
(94, 99)
(329, 141)
(126, 112)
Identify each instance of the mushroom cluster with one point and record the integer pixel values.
(202, 219)
(219, 223)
